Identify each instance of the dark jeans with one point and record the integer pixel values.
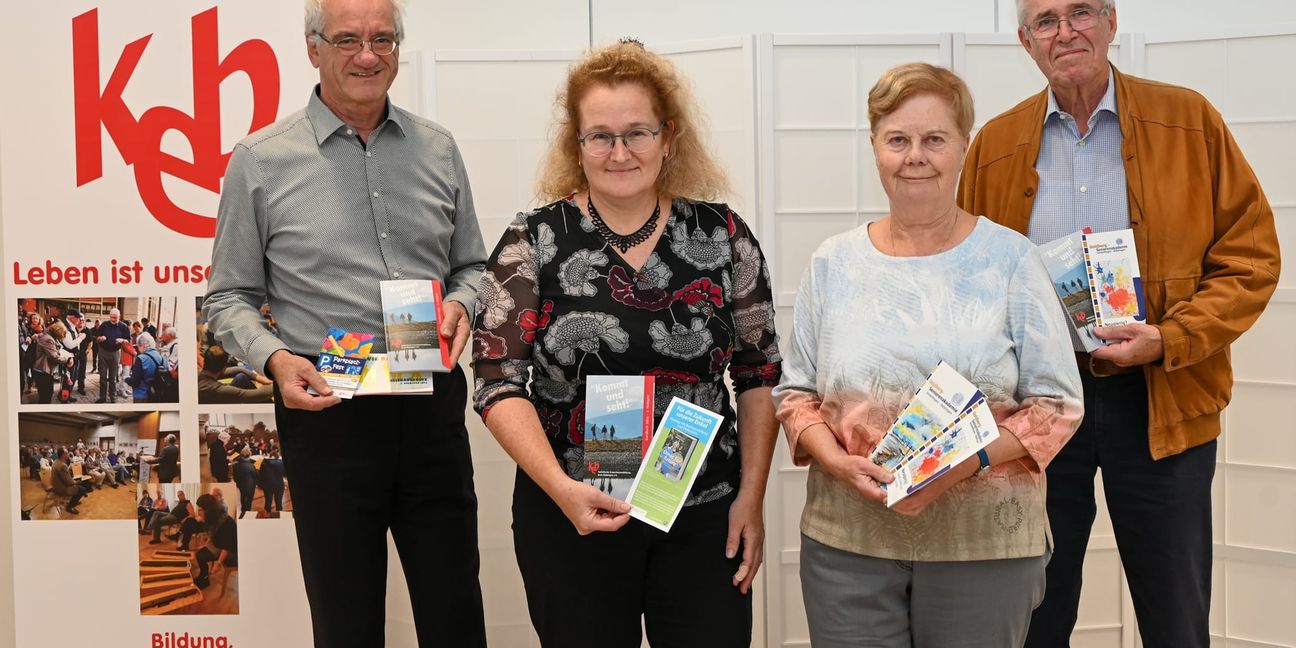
(416, 481)
(82, 489)
(246, 495)
(1160, 512)
(275, 494)
(44, 386)
(109, 365)
(591, 591)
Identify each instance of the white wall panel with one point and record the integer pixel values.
(1268, 147)
(497, 24)
(1255, 432)
(1259, 505)
(1266, 352)
(1258, 602)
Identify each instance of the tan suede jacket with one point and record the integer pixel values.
(1207, 247)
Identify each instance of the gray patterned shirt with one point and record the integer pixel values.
(311, 219)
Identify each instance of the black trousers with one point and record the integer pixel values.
(379, 463)
(591, 591)
(1160, 512)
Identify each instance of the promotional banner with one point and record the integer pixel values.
(150, 517)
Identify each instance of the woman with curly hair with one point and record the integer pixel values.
(630, 271)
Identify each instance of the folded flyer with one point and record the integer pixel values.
(618, 429)
(1115, 284)
(1064, 260)
(412, 311)
(946, 422)
(672, 463)
(342, 358)
(378, 380)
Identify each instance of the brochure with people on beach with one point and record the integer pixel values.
(412, 311)
(946, 422)
(618, 427)
(672, 463)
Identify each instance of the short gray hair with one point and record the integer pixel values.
(315, 18)
(169, 330)
(115, 311)
(1021, 9)
(145, 341)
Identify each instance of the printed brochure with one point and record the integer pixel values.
(672, 463)
(1064, 260)
(618, 429)
(1115, 284)
(342, 359)
(412, 310)
(947, 421)
(378, 380)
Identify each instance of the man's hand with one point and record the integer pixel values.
(294, 374)
(455, 327)
(746, 524)
(1136, 344)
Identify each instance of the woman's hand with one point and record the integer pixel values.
(862, 474)
(590, 509)
(746, 531)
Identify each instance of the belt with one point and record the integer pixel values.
(1101, 368)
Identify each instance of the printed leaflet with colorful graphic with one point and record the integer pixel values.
(342, 358)
(672, 463)
(618, 427)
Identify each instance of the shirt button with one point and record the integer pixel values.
(383, 235)
(350, 132)
(1081, 142)
(1084, 189)
(370, 153)
(395, 275)
(375, 194)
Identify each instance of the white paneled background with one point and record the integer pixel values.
(788, 118)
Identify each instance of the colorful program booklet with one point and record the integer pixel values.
(412, 311)
(1064, 260)
(342, 359)
(618, 428)
(947, 421)
(378, 380)
(672, 463)
(1115, 284)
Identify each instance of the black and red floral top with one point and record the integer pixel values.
(557, 303)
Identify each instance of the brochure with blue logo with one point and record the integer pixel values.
(672, 463)
(946, 422)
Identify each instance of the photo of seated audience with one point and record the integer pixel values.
(224, 379)
(80, 465)
(241, 452)
(188, 550)
(97, 350)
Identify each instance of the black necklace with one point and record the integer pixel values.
(624, 242)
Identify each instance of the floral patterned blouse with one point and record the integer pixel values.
(557, 303)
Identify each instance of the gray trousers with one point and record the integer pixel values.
(853, 601)
(109, 363)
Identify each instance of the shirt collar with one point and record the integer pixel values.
(1107, 103)
(326, 123)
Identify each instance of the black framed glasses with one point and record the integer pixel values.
(636, 140)
(1079, 19)
(382, 44)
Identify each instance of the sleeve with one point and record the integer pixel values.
(1049, 404)
(796, 398)
(137, 371)
(509, 316)
(237, 286)
(756, 360)
(467, 251)
(1239, 269)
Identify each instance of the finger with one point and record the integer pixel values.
(731, 542)
(873, 471)
(611, 504)
(741, 575)
(607, 523)
(458, 342)
(450, 319)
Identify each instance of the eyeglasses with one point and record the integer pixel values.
(1080, 20)
(382, 45)
(636, 140)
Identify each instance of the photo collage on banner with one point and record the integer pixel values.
(147, 456)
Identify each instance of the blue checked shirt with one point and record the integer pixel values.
(1082, 179)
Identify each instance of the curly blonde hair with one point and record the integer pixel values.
(688, 172)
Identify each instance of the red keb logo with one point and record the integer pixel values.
(139, 141)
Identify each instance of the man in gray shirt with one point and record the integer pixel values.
(316, 210)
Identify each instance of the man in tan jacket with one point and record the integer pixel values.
(1105, 150)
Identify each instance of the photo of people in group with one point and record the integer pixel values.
(188, 550)
(224, 378)
(83, 465)
(96, 350)
(241, 451)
